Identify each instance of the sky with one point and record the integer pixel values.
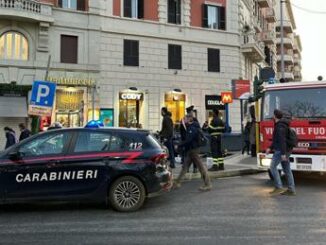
(312, 30)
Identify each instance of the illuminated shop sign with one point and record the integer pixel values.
(86, 82)
(214, 101)
(131, 96)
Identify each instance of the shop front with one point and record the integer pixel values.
(73, 104)
(131, 108)
(175, 101)
(214, 101)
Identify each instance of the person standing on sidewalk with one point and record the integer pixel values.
(11, 138)
(216, 129)
(281, 155)
(24, 132)
(183, 133)
(191, 147)
(166, 134)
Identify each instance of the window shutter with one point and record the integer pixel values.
(175, 57)
(221, 21)
(205, 15)
(130, 53)
(178, 57)
(171, 11)
(140, 9)
(69, 49)
(135, 53)
(178, 12)
(60, 3)
(81, 5)
(127, 8)
(213, 56)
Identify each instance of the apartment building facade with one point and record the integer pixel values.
(291, 43)
(135, 56)
(31, 32)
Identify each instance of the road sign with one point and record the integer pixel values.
(226, 97)
(42, 98)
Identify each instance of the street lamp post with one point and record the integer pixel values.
(282, 38)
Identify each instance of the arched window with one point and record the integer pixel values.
(13, 46)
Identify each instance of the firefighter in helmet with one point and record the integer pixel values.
(216, 129)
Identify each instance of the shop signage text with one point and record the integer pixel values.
(131, 96)
(86, 82)
(214, 101)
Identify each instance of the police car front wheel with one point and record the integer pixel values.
(127, 194)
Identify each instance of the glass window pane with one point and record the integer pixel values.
(13, 45)
(17, 41)
(45, 145)
(2, 47)
(298, 103)
(9, 37)
(73, 4)
(24, 51)
(134, 9)
(212, 17)
(92, 142)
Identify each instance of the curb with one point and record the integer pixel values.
(223, 174)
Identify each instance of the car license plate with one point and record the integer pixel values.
(304, 167)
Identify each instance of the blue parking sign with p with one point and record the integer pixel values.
(43, 93)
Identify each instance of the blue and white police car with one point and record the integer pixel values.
(121, 166)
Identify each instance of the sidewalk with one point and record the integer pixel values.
(235, 165)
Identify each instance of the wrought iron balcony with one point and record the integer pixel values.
(26, 9)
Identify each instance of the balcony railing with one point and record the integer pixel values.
(25, 5)
(270, 15)
(252, 48)
(29, 9)
(269, 37)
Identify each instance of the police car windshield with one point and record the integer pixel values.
(297, 103)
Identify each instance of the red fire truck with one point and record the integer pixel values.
(305, 103)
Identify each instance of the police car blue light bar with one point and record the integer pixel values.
(94, 124)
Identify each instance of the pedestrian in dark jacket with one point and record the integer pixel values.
(281, 155)
(183, 132)
(246, 137)
(24, 132)
(191, 147)
(10, 137)
(166, 134)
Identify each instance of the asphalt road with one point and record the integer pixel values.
(237, 211)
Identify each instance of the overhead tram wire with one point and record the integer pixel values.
(308, 10)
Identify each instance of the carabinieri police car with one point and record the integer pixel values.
(122, 166)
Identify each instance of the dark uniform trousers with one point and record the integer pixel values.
(216, 148)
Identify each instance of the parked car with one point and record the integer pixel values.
(115, 165)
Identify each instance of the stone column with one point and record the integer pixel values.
(162, 11)
(186, 13)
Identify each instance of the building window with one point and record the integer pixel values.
(175, 57)
(174, 11)
(69, 49)
(214, 17)
(213, 59)
(133, 9)
(13, 46)
(131, 53)
(73, 4)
